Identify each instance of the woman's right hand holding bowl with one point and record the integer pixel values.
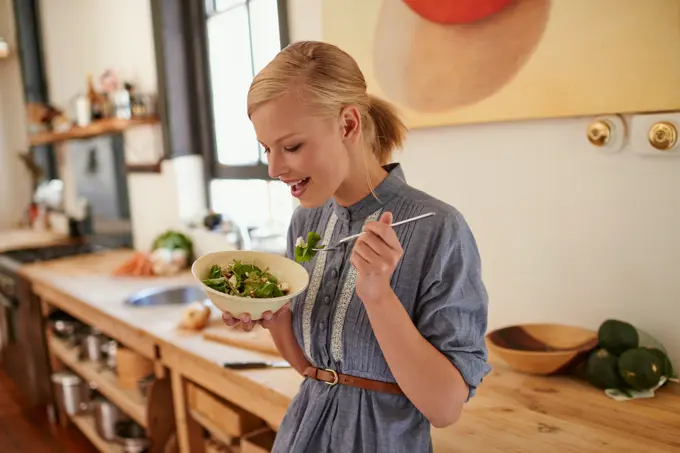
(269, 320)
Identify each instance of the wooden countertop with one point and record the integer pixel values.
(24, 238)
(86, 279)
(512, 412)
(84, 284)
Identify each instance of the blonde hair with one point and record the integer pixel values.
(328, 79)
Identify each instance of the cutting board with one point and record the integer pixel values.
(258, 339)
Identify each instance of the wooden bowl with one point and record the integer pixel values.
(542, 349)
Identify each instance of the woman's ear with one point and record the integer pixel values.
(350, 124)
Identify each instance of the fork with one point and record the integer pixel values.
(354, 236)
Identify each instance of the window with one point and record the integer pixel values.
(242, 37)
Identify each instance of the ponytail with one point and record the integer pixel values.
(330, 80)
(389, 132)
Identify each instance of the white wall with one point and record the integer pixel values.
(566, 233)
(15, 183)
(90, 36)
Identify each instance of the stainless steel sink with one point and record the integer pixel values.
(176, 295)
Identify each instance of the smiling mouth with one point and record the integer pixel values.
(298, 187)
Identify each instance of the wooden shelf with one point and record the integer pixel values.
(86, 424)
(145, 168)
(129, 401)
(97, 128)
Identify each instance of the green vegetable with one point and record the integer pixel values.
(617, 336)
(640, 368)
(303, 250)
(174, 240)
(602, 370)
(245, 280)
(667, 366)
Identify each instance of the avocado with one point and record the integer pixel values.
(617, 336)
(602, 370)
(641, 368)
(667, 367)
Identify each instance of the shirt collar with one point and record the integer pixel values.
(384, 192)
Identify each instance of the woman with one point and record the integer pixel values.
(390, 332)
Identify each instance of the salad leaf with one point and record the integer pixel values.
(215, 272)
(218, 284)
(269, 289)
(303, 249)
(245, 280)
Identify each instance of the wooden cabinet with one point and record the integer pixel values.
(176, 409)
(153, 411)
(128, 400)
(234, 427)
(220, 415)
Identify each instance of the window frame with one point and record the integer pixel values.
(215, 169)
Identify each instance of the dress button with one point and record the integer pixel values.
(334, 273)
(327, 300)
(322, 326)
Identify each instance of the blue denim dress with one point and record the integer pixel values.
(438, 280)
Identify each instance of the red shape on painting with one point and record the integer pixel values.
(456, 11)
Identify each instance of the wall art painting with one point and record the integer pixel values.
(448, 62)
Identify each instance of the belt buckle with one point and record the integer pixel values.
(336, 379)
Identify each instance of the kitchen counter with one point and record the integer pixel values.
(83, 286)
(511, 412)
(86, 281)
(24, 238)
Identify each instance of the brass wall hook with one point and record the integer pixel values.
(600, 132)
(663, 135)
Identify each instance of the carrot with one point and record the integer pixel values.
(138, 265)
(130, 266)
(125, 268)
(147, 269)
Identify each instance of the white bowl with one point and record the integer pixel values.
(284, 269)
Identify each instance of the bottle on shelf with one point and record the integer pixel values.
(83, 110)
(95, 99)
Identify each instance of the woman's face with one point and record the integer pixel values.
(305, 151)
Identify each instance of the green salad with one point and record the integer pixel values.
(304, 250)
(245, 280)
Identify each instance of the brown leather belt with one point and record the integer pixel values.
(333, 378)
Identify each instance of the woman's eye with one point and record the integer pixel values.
(292, 149)
(266, 150)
